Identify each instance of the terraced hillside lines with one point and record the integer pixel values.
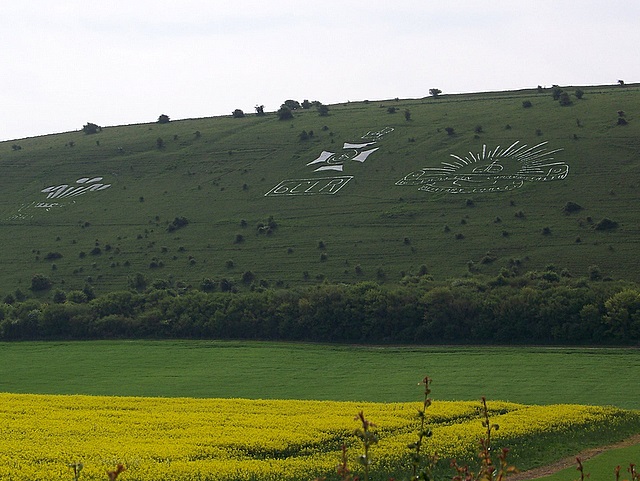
(215, 173)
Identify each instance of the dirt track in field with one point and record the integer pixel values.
(571, 461)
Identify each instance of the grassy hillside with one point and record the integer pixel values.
(215, 172)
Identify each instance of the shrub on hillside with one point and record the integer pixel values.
(564, 99)
(606, 224)
(208, 285)
(177, 223)
(292, 104)
(163, 119)
(323, 110)
(571, 207)
(59, 297)
(40, 282)
(91, 128)
(248, 277)
(284, 113)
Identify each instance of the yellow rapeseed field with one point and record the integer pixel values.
(185, 439)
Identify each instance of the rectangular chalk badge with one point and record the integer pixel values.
(320, 186)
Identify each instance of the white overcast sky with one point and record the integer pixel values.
(64, 63)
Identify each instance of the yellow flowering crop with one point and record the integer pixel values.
(235, 439)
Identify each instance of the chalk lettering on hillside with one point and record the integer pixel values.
(358, 151)
(495, 170)
(351, 151)
(66, 190)
(323, 185)
(60, 195)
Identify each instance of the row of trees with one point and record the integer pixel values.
(285, 112)
(525, 310)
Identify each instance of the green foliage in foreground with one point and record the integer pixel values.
(538, 308)
(215, 173)
(258, 370)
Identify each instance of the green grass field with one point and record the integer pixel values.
(371, 229)
(258, 370)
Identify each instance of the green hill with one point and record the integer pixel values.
(366, 194)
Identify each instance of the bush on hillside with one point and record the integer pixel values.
(40, 282)
(284, 113)
(606, 224)
(163, 119)
(571, 207)
(292, 104)
(91, 128)
(323, 110)
(564, 99)
(177, 223)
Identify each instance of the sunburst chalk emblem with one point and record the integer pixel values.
(495, 170)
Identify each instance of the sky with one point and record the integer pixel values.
(64, 63)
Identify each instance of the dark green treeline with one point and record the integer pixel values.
(539, 308)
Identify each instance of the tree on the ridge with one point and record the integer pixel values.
(284, 113)
(435, 92)
(564, 99)
(163, 119)
(292, 104)
(91, 128)
(323, 110)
